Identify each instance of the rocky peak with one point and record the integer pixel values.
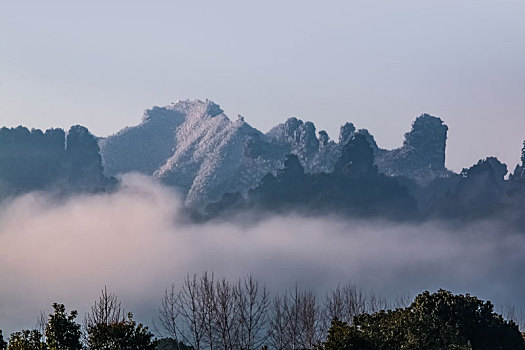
(427, 140)
(346, 133)
(196, 108)
(323, 138)
(357, 158)
(523, 154)
(490, 165)
(298, 137)
(83, 158)
(369, 137)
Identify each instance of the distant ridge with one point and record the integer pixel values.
(194, 146)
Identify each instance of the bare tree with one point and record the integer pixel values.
(209, 313)
(511, 313)
(218, 314)
(227, 325)
(278, 324)
(291, 307)
(168, 314)
(375, 303)
(345, 303)
(296, 320)
(310, 317)
(191, 308)
(107, 310)
(41, 325)
(252, 303)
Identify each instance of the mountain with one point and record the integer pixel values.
(422, 156)
(52, 160)
(223, 166)
(195, 147)
(354, 189)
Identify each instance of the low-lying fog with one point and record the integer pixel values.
(135, 242)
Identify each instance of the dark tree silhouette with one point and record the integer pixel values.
(62, 333)
(3, 344)
(108, 328)
(26, 340)
(435, 321)
(122, 335)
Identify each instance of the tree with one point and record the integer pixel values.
(107, 328)
(278, 324)
(191, 306)
(168, 318)
(62, 333)
(121, 335)
(106, 310)
(3, 344)
(433, 321)
(253, 302)
(227, 315)
(338, 335)
(295, 321)
(26, 340)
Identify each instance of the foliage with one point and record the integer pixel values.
(62, 332)
(120, 335)
(433, 321)
(3, 344)
(108, 328)
(338, 334)
(26, 340)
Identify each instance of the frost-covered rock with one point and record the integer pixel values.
(209, 155)
(195, 147)
(346, 132)
(422, 156)
(145, 147)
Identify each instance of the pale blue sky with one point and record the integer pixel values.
(376, 63)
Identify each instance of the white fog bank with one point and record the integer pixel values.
(136, 242)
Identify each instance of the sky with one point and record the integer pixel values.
(376, 63)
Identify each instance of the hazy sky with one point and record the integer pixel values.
(378, 64)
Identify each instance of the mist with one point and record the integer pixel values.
(136, 241)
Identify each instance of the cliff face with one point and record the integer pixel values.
(422, 156)
(35, 160)
(83, 164)
(145, 147)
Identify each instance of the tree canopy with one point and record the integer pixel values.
(435, 321)
(26, 340)
(62, 332)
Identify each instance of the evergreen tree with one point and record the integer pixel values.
(62, 332)
(26, 340)
(120, 335)
(3, 344)
(433, 322)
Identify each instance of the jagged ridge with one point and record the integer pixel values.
(194, 146)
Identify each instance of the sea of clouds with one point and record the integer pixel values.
(137, 241)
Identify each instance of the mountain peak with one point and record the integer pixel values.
(196, 107)
(188, 108)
